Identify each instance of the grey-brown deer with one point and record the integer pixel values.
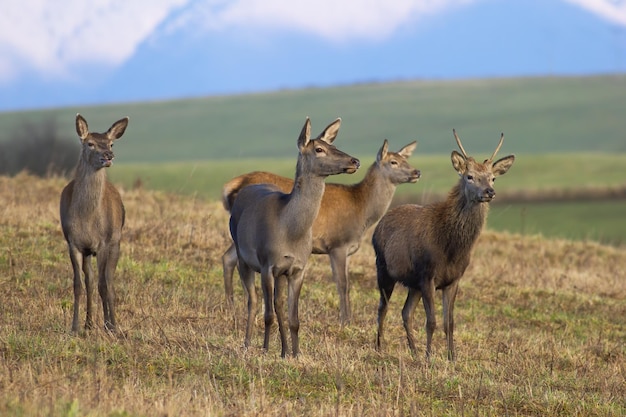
(428, 248)
(346, 213)
(272, 231)
(92, 217)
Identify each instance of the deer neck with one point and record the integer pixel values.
(89, 187)
(374, 194)
(461, 222)
(303, 203)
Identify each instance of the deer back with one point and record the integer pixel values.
(347, 211)
(231, 189)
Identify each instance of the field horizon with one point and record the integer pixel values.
(575, 196)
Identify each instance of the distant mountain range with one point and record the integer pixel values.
(491, 38)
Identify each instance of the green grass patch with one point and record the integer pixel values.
(601, 221)
(530, 173)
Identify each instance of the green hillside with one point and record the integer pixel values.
(537, 115)
(531, 174)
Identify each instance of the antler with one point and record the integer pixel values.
(458, 142)
(498, 147)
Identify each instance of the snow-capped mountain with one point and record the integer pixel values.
(145, 50)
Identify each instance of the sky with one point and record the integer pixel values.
(72, 52)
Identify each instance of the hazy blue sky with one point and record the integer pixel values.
(76, 52)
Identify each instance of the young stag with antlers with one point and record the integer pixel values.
(428, 248)
(272, 231)
(92, 217)
(346, 213)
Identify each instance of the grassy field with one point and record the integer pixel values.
(541, 325)
(537, 115)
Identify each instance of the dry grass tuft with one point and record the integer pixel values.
(541, 327)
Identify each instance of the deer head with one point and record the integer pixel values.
(395, 165)
(96, 147)
(477, 178)
(320, 155)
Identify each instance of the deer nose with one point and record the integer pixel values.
(417, 173)
(356, 162)
(490, 192)
(108, 155)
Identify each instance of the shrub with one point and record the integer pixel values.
(38, 148)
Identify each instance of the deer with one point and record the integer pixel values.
(271, 231)
(428, 248)
(92, 218)
(346, 213)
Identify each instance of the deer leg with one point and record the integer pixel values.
(76, 257)
(247, 279)
(408, 312)
(339, 265)
(279, 309)
(385, 287)
(107, 261)
(229, 262)
(113, 259)
(295, 285)
(87, 271)
(448, 297)
(428, 298)
(267, 283)
(104, 290)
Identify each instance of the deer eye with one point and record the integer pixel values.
(91, 145)
(394, 162)
(319, 150)
(470, 177)
(493, 179)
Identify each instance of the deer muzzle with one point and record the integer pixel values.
(107, 158)
(415, 175)
(488, 194)
(355, 164)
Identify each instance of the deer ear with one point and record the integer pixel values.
(382, 152)
(502, 165)
(458, 162)
(330, 133)
(81, 126)
(305, 134)
(408, 149)
(117, 129)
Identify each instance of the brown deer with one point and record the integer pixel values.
(272, 231)
(346, 213)
(92, 217)
(428, 248)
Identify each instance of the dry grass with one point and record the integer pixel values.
(541, 327)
